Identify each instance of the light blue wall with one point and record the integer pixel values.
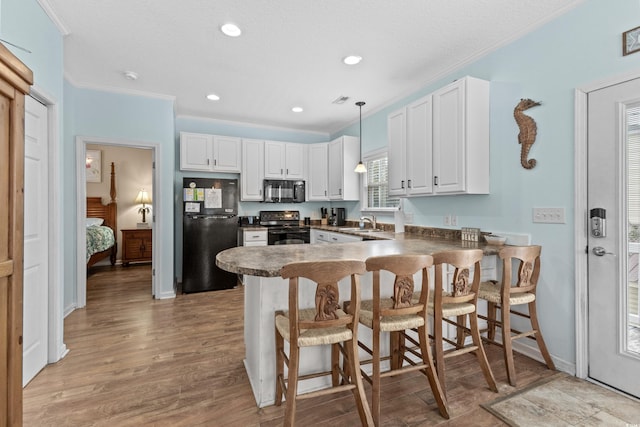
(578, 48)
(125, 119)
(24, 23)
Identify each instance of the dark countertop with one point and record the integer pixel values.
(266, 261)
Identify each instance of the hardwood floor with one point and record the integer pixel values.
(138, 361)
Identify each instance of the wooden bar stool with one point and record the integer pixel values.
(514, 290)
(326, 324)
(396, 315)
(459, 302)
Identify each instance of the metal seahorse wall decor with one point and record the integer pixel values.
(528, 131)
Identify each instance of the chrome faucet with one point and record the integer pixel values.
(372, 220)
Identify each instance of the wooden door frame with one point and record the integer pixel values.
(580, 215)
(16, 79)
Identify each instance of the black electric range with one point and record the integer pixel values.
(284, 227)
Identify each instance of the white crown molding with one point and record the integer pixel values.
(113, 89)
(251, 125)
(48, 9)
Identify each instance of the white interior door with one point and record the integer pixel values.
(614, 185)
(36, 230)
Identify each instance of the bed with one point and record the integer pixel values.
(101, 238)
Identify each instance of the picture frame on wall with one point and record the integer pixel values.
(631, 41)
(93, 172)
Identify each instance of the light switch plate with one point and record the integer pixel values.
(549, 215)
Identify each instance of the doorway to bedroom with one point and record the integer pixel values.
(118, 177)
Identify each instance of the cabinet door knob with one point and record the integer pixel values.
(402, 184)
(409, 183)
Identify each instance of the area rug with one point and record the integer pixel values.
(563, 400)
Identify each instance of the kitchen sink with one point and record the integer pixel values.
(359, 230)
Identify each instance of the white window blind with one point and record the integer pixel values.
(633, 165)
(377, 183)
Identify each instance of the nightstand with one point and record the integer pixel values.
(136, 245)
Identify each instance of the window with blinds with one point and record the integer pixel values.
(633, 171)
(377, 183)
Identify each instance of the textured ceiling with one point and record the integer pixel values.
(290, 52)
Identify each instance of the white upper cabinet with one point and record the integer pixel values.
(344, 155)
(410, 149)
(461, 137)
(209, 153)
(284, 160)
(196, 151)
(318, 183)
(439, 144)
(419, 147)
(397, 152)
(252, 173)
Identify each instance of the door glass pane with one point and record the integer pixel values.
(633, 229)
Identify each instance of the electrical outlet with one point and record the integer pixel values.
(447, 220)
(454, 220)
(549, 215)
(408, 218)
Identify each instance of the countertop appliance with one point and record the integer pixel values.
(341, 216)
(284, 228)
(209, 226)
(283, 191)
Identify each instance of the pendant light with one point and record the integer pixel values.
(360, 168)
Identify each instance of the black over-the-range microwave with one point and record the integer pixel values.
(283, 191)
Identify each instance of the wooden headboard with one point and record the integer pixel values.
(108, 212)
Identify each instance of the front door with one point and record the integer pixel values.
(36, 230)
(614, 195)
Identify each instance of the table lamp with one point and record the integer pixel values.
(143, 198)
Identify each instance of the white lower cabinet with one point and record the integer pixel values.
(321, 236)
(253, 237)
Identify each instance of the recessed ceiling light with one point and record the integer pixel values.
(352, 59)
(130, 75)
(213, 97)
(232, 30)
(297, 109)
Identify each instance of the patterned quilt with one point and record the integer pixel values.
(99, 238)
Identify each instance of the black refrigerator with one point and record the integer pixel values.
(209, 226)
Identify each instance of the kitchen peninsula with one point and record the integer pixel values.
(266, 291)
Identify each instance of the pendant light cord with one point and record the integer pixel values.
(360, 104)
(360, 167)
